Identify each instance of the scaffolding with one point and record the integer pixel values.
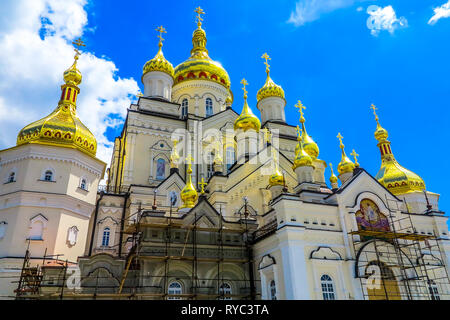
(161, 240)
(401, 263)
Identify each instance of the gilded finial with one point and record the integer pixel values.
(333, 178)
(355, 156)
(380, 133)
(244, 84)
(161, 30)
(374, 111)
(78, 43)
(299, 133)
(340, 137)
(300, 108)
(199, 18)
(266, 57)
(267, 135)
(202, 185)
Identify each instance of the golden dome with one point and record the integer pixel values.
(392, 175)
(159, 62)
(302, 158)
(276, 178)
(270, 88)
(62, 127)
(333, 178)
(247, 120)
(189, 194)
(346, 165)
(200, 66)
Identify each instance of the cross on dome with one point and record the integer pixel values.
(161, 30)
(355, 156)
(199, 18)
(266, 57)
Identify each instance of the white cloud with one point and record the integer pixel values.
(311, 10)
(440, 12)
(35, 42)
(384, 19)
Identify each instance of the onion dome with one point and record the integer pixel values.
(247, 120)
(189, 195)
(308, 143)
(200, 66)
(346, 165)
(333, 178)
(270, 88)
(392, 175)
(302, 158)
(276, 178)
(62, 127)
(174, 156)
(159, 62)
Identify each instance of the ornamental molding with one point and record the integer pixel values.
(42, 156)
(198, 84)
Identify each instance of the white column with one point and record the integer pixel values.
(295, 273)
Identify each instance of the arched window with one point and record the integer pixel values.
(48, 175)
(327, 287)
(175, 288)
(160, 169)
(83, 184)
(273, 290)
(184, 108)
(209, 107)
(12, 177)
(434, 292)
(72, 235)
(105, 239)
(225, 289)
(231, 157)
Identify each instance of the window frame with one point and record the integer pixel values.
(209, 109)
(177, 290)
(327, 287)
(106, 234)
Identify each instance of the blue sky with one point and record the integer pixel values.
(333, 64)
(323, 53)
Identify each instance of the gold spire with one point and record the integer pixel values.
(189, 195)
(392, 175)
(202, 185)
(308, 143)
(299, 139)
(159, 62)
(346, 165)
(247, 120)
(62, 127)
(200, 66)
(276, 178)
(270, 88)
(355, 156)
(302, 158)
(174, 156)
(333, 178)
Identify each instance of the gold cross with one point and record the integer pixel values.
(340, 137)
(299, 133)
(374, 111)
(161, 30)
(355, 155)
(202, 184)
(267, 135)
(78, 43)
(331, 167)
(244, 83)
(199, 12)
(266, 57)
(300, 108)
(189, 159)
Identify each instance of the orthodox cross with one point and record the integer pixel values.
(161, 30)
(340, 137)
(355, 155)
(331, 167)
(202, 184)
(199, 12)
(267, 135)
(244, 83)
(266, 57)
(78, 43)
(300, 108)
(374, 111)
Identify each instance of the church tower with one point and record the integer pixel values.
(49, 184)
(270, 97)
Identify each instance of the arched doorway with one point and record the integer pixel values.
(385, 286)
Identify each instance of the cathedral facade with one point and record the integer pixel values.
(203, 202)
